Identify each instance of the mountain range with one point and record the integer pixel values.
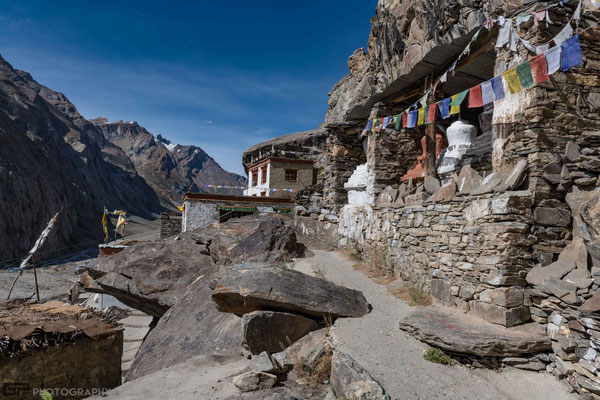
(52, 158)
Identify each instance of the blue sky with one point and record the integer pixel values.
(219, 74)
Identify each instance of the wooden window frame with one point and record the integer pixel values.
(290, 171)
(264, 174)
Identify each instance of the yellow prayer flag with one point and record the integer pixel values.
(512, 79)
(454, 109)
(421, 116)
(104, 225)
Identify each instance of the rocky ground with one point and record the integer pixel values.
(371, 346)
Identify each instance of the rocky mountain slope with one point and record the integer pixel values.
(51, 157)
(170, 169)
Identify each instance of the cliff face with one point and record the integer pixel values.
(402, 34)
(170, 169)
(51, 157)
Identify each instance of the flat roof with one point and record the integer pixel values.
(219, 198)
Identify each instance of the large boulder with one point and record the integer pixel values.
(459, 336)
(273, 240)
(273, 331)
(251, 287)
(152, 276)
(193, 327)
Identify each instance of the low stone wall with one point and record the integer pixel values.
(170, 224)
(473, 252)
(68, 370)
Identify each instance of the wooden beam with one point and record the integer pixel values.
(430, 145)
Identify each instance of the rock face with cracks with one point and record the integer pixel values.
(446, 332)
(252, 287)
(273, 331)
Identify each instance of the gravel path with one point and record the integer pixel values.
(396, 360)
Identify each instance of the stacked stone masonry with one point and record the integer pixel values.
(170, 224)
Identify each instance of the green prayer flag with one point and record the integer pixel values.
(459, 98)
(525, 75)
(398, 122)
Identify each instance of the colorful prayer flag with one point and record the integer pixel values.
(571, 53)
(498, 87)
(475, 99)
(405, 119)
(505, 33)
(386, 122)
(539, 16)
(487, 92)
(421, 118)
(457, 100)
(539, 68)
(525, 75)
(412, 118)
(445, 108)
(512, 79)
(564, 34)
(398, 122)
(431, 113)
(369, 125)
(553, 59)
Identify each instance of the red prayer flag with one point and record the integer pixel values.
(405, 120)
(539, 68)
(475, 99)
(431, 113)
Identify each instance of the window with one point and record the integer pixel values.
(264, 174)
(291, 175)
(255, 177)
(263, 194)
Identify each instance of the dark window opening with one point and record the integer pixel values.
(264, 175)
(291, 175)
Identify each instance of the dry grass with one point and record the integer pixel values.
(315, 374)
(370, 270)
(413, 294)
(352, 254)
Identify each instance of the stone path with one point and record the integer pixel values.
(395, 359)
(136, 327)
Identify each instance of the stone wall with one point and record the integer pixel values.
(86, 367)
(198, 214)
(472, 252)
(170, 224)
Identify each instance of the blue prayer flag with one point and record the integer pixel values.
(498, 86)
(412, 118)
(571, 53)
(445, 108)
(369, 125)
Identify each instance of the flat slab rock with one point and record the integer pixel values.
(453, 334)
(252, 287)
